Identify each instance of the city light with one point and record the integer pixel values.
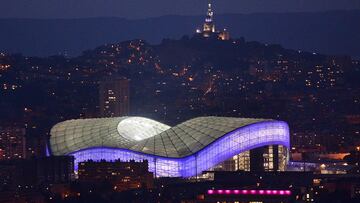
(249, 192)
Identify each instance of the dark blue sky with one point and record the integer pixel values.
(150, 8)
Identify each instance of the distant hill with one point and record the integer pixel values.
(333, 32)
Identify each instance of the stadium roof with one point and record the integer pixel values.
(143, 135)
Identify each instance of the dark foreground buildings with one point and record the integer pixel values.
(122, 175)
(54, 181)
(27, 180)
(19, 173)
(12, 142)
(264, 187)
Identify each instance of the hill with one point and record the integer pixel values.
(333, 32)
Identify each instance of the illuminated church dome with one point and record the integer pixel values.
(184, 150)
(208, 30)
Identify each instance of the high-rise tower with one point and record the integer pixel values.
(114, 97)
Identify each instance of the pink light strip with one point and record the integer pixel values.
(249, 192)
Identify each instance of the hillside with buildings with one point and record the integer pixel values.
(180, 79)
(331, 32)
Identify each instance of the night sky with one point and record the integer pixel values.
(150, 8)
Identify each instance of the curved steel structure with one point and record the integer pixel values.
(184, 150)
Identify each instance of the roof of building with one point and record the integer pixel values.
(143, 135)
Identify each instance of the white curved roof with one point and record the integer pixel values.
(142, 134)
(139, 128)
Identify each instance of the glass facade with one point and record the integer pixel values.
(242, 161)
(273, 158)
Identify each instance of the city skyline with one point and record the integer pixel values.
(207, 116)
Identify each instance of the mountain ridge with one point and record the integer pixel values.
(330, 32)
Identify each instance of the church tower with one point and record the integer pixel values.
(209, 30)
(209, 26)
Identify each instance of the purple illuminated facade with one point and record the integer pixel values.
(223, 147)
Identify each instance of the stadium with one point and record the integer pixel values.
(185, 150)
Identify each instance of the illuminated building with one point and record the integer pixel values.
(184, 150)
(12, 142)
(123, 175)
(209, 30)
(209, 26)
(114, 98)
(224, 35)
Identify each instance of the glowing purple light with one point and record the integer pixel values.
(250, 192)
(265, 133)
